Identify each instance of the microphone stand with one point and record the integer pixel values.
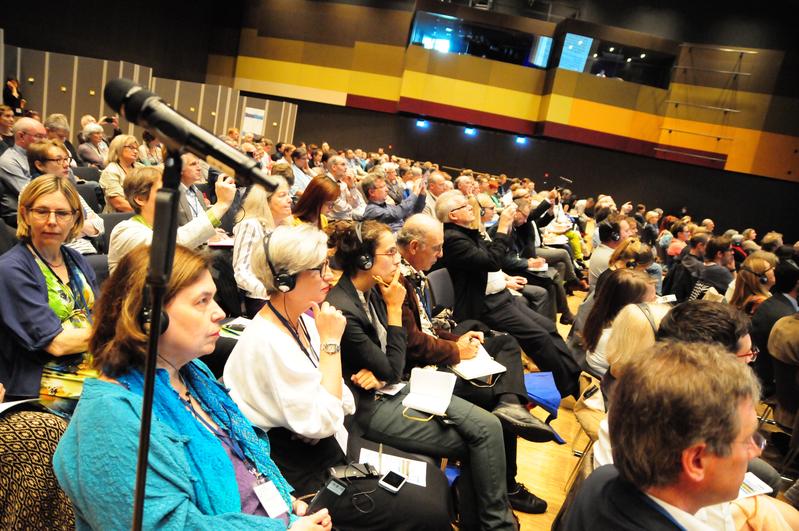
(162, 253)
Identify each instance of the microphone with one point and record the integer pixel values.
(149, 111)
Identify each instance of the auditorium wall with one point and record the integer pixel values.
(732, 199)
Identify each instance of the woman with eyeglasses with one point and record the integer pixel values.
(208, 467)
(52, 157)
(317, 201)
(370, 296)
(123, 154)
(93, 150)
(291, 385)
(47, 293)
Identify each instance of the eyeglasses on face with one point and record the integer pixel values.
(391, 252)
(757, 441)
(322, 268)
(61, 160)
(753, 352)
(43, 214)
(465, 205)
(134, 147)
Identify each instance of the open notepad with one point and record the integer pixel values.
(480, 366)
(430, 391)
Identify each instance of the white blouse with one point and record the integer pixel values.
(276, 385)
(247, 234)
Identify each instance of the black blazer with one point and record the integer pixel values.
(605, 502)
(360, 345)
(469, 258)
(766, 316)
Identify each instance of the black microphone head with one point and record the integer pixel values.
(117, 91)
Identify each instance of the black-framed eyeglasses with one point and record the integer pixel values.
(43, 214)
(459, 208)
(322, 268)
(61, 160)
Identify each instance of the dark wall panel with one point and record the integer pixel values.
(60, 75)
(31, 78)
(731, 199)
(90, 78)
(173, 37)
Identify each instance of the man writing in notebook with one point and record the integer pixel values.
(420, 243)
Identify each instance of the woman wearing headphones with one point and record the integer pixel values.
(620, 288)
(208, 468)
(753, 283)
(370, 296)
(291, 385)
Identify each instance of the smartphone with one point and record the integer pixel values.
(392, 482)
(327, 495)
(236, 327)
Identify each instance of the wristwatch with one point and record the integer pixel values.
(331, 348)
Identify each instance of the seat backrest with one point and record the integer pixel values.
(112, 220)
(89, 194)
(87, 173)
(443, 291)
(99, 263)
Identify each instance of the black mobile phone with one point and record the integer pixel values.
(353, 471)
(236, 327)
(327, 495)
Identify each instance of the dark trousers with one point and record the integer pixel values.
(475, 437)
(536, 334)
(505, 350)
(552, 281)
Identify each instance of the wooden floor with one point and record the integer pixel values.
(545, 467)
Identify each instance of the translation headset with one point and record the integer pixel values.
(284, 281)
(644, 307)
(482, 211)
(364, 259)
(610, 230)
(146, 315)
(761, 277)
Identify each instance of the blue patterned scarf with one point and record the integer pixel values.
(215, 489)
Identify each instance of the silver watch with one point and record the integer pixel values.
(331, 348)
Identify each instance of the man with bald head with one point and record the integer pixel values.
(14, 168)
(420, 243)
(436, 185)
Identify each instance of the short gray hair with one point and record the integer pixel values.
(92, 127)
(56, 121)
(292, 249)
(447, 202)
(368, 183)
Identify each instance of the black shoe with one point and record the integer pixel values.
(566, 319)
(518, 420)
(525, 501)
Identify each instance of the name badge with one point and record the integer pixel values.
(270, 499)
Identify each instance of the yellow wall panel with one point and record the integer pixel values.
(614, 120)
(776, 155)
(555, 108)
(375, 86)
(321, 77)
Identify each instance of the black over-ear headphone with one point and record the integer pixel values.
(609, 229)
(364, 260)
(146, 315)
(482, 211)
(761, 277)
(284, 281)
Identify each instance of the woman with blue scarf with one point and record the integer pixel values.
(208, 468)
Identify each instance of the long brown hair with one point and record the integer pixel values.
(622, 287)
(119, 341)
(319, 191)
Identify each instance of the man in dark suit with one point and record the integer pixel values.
(782, 303)
(480, 293)
(420, 243)
(692, 453)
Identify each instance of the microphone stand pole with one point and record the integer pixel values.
(162, 253)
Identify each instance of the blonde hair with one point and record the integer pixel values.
(45, 185)
(117, 145)
(256, 204)
(748, 284)
(631, 333)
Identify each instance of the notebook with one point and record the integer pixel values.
(480, 366)
(430, 391)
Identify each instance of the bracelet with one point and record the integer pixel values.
(212, 218)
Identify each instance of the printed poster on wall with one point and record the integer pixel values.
(253, 121)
